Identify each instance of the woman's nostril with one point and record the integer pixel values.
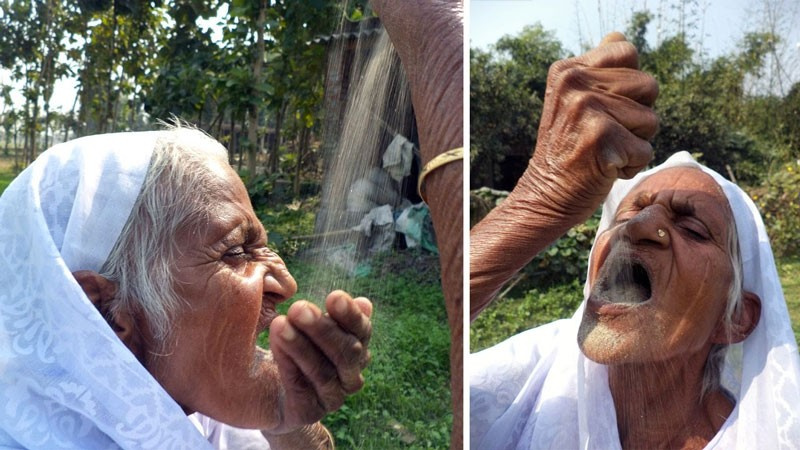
(279, 285)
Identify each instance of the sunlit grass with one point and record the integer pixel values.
(6, 173)
(789, 271)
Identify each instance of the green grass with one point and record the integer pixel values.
(5, 180)
(510, 316)
(789, 271)
(6, 172)
(405, 402)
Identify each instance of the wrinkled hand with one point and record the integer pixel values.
(320, 356)
(595, 127)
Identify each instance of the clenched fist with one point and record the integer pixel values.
(595, 127)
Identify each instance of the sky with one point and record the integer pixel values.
(718, 27)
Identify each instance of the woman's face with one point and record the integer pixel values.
(661, 275)
(230, 283)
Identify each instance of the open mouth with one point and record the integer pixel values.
(624, 281)
(266, 315)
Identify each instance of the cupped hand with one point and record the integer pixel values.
(320, 356)
(596, 123)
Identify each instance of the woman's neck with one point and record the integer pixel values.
(658, 404)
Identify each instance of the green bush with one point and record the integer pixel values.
(566, 259)
(780, 208)
(286, 222)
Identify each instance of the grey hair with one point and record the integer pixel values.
(712, 372)
(175, 194)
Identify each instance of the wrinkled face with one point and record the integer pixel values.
(230, 283)
(660, 294)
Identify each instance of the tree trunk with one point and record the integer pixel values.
(46, 125)
(252, 138)
(34, 119)
(109, 103)
(16, 147)
(301, 150)
(274, 159)
(258, 62)
(8, 140)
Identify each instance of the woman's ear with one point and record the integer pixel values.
(101, 292)
(742, 325)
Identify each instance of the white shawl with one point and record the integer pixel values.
(537, 391)
(66, 380)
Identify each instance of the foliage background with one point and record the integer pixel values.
(248, 72)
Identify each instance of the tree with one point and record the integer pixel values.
(188, 62)
(119, 45)
(703, 105)
(507, 86)
(31, 40)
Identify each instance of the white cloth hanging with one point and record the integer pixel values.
(537, 391)
(398, 156)
(66, 380)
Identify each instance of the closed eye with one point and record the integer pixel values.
(237, 252)
(694, 230)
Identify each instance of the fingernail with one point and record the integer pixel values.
(288, 333)
(306, 317)
(341, 305)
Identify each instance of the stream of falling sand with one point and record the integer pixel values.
(378, 106)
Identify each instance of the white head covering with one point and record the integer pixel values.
(564, 401)
(66, 380)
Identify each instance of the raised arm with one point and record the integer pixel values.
(429, 38)
(595, 127)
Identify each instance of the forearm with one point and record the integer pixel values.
(428, 36)
(437, 94)
(507, 239)
(420, 29)
(312, 437)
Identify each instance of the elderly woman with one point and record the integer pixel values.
(681, 268)
(135, 280)
(683, 339)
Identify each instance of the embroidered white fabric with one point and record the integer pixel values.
(66, 380)
(537, 391)
(226, 437)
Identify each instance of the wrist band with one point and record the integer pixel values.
(440, 160)
(329, 436)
